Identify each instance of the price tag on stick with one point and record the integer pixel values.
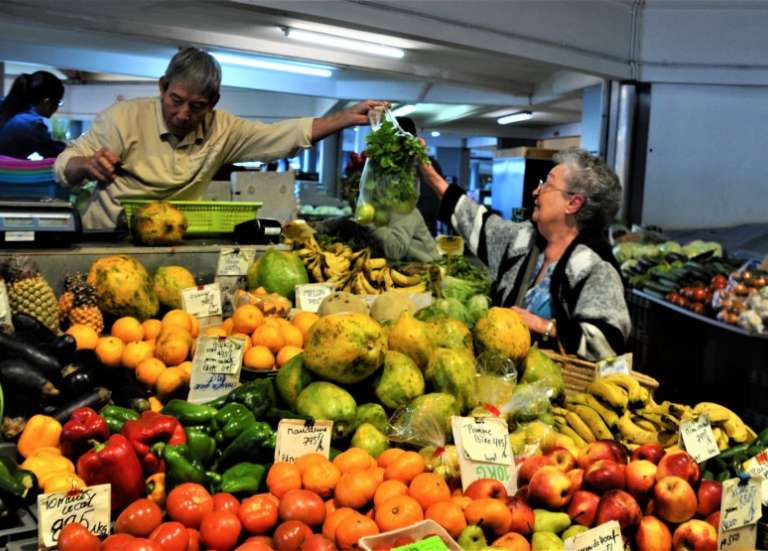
(235, 261)
(698, 439)
(740, 539)
(309, 296)
(758, 466)
(606, 537)
(90, 506)
(215, 367)
(741, 503)
(484, 451)
(296, 437)
(203, 302)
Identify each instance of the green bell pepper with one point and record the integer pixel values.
(258, 395)
(254, 439)
(116, 416)
(188, 413)
(202, 447)
(180, 467)
(243, 477)
(231, 420)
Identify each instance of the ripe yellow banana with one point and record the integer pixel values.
(568, 431)
(365, 285)
(715, 412)
(579, 426)
(387, 275)
(419, 288)
(638, 395)
(585, 399)
(593, 420)
(402, 280)
(375, 263)
(610, 393)
(634, 433)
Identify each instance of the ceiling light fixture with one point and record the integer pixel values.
(242, 61)
(435, 134)
(404, 110)
(515, 117)
(334, 41)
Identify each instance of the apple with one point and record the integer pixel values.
(708, 495)
(618, 505)
(714, 520)
(549, 487)
(604, 475)
(531, 465)
(583, 508)
(522, 516)
(486, 487)
(600, 449)
(652, 535)
(577, 479)
(512, 541)
(492, 514)
(680, 464)
(641, 477)
(674, 500)
(650, 452)
(472, 537)
(695, 535)
(563, 459)
(318, 542)
(522, 492)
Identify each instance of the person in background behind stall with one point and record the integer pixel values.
(23, 131)
(170, 147)
(557, 270)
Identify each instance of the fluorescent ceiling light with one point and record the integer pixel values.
(404, 110)
(435, 134)
(255, 63)
(333, 41)
(515, 117)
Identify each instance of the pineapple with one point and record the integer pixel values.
(84, 309)
(29, 293)
(67, 298)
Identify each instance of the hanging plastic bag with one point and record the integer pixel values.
(390, 180)
(496, 380)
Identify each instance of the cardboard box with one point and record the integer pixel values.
(274, 189)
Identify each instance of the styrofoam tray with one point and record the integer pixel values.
(418, 531)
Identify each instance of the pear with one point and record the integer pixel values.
(400, 381)
(572, 531)
(472, 538)
(373, 414)
(370, 439)
(411, 337)
(547, 521)
(546, 541)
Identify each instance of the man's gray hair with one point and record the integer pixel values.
(590, 177)
(198, 69)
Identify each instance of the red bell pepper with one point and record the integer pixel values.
(83, 426)
(114, 462)
(147, 432)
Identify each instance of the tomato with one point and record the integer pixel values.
(302, 505)
(225, 502)
(254, 546)
(290, 535)
(117, 542)
(143, 544)
(188, 503)
(172, 536)
(220, 529)
(76, 537)
(194, 540)
(265, 540)
(139, 518)
(318, 542)
(258, 514)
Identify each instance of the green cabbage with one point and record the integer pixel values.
(477, 306)
(445, 308)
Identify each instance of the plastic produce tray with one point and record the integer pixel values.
(204, 217)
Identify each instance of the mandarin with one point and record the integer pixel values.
(259, 357)
(127, 329)
(85, 337)
(268, 335)
(246, 319)
(109, 350)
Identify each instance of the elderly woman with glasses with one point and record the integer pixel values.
(556, 270)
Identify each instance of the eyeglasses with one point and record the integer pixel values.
(546, 185)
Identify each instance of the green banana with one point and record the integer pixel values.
(593, 420)
(611, 393)
(634, 433)
(610, 417)
(579, 426)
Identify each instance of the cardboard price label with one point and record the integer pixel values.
(235, 261)
(296, 437)
(618, 365)
(89, 506)
(698, 439)
(433, 543)
(606, 537)
(484, 450)
(215, 367)
(309, 296)
(5, 309)
(741, 503)
(203, 301)
(758, 466)
(740, 539)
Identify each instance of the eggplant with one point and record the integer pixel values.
(76, 381)
(25, 323)
(64, 348)
(11, 347)
(87, 359)
(18, 374)
(95, 399)
(126, 391)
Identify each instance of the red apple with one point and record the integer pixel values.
(649, 452)
(680, 464)
(695, 535)
(652, 535)
(674, 500)
(491, 514)
(600, 449)
(549, 487)
(641, 477)
(583, 508)
(604, 475)
(577, 479)
(522, 516)
(522, 492)
(714, 520)
(708, 495)
(618, 505)
(486, 487)
(563, 459)
(512, 541)
(531, 465)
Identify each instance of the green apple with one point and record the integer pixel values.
(472, 538)
(364, 213)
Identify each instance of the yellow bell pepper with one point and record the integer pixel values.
(155, 404)
(61, 481)
(156, 489)
(40, 431)
(44, 462)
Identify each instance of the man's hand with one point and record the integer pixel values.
(358, 114)
(535, 323)
(100, 166)
(354, 116)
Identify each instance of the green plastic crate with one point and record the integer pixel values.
(204, 217)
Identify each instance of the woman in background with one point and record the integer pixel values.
(22, 128)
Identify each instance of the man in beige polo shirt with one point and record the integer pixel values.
(171, 146)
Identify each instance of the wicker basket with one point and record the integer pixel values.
(578, 373)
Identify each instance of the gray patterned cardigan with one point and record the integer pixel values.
(586, 289)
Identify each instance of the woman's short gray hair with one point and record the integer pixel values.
(590, 177)
(198, 69)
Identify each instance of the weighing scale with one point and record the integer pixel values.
(48, 222)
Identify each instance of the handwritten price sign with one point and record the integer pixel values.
(309, 296)
(235, 261)
(741, 503)
(215, 367)
(740, 539)
(203, 301)
(90, 507)
(484, 450)
(698, 439)
(296, 437)
(606, 537)
(758, 466)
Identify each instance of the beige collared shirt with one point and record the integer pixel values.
(156, 166)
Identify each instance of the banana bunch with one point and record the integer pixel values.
(620, 391)
(728, 427)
